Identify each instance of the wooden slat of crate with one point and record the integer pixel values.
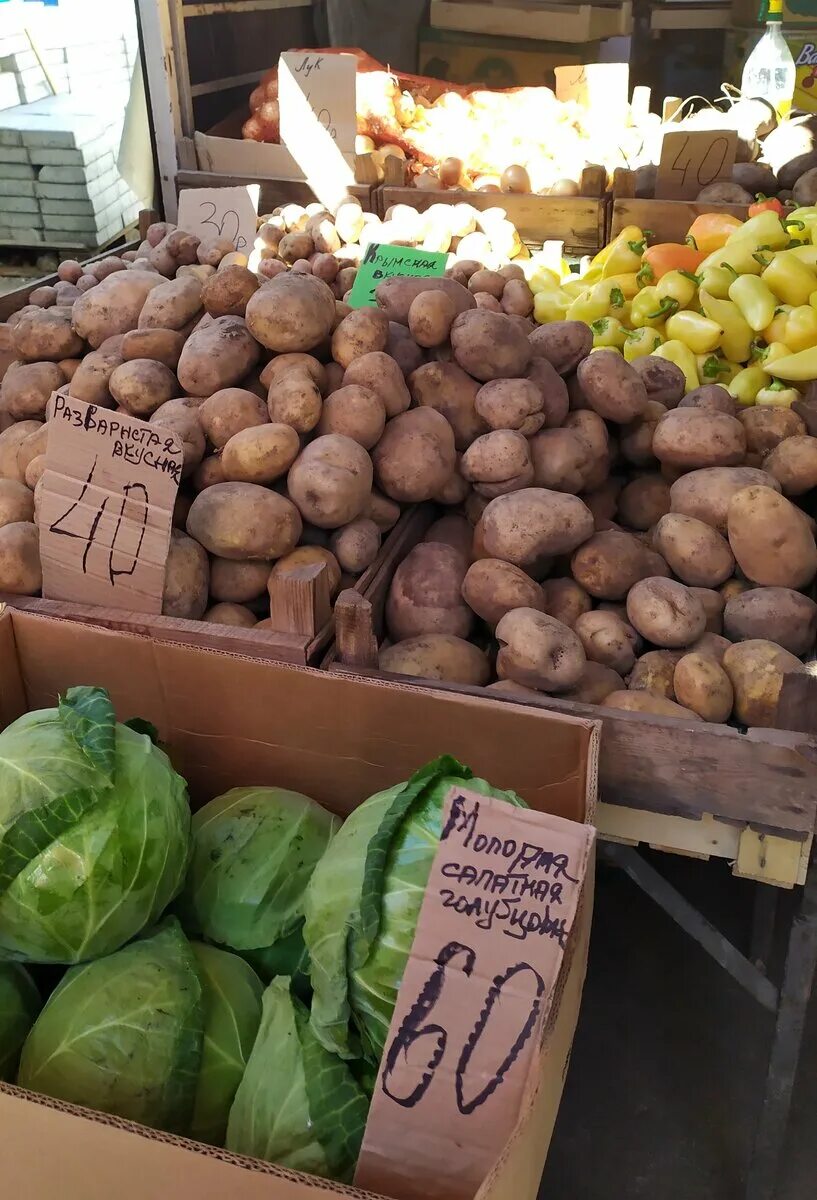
(579, 23)
(668, 220)
(578, 221)
(274, 192)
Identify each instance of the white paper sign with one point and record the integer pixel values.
(228, 212)
(327, 83)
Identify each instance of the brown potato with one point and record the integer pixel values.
(778, 614)
(330, 481)
(356, 545)
(712, 644)
(663, 380)
(734, 587)
(237, 615)
(260, 454)
(706, 494)
(114, 305)
(430, 318)
(11, 439)
(713, 603)
(770, 539)
(175, 416)
(41, 335)
(236, 581)
(16, 501)
(228, 292)
(702, 685)
(27, 387)
(455, 490)
(608, 564)
(244, 521)
(793, 463)
(644, 501)
(563, 343)
(142, 385)
(712, 397)
(603, 501)
(172, 305)
(756, 670)
(20, 569)
(163, 345)
(649, 703)
(364, 331)
(446, 388)
(454, 530)
(484, 280)
(654, 672)
(395, 295)
(34, 472)
(380, 374)
(555, 398)
(356, 412)
(228, 411)
(517, 298)
(415, 456)
(489, 345)
(90, 381)
(437, 656)
(607, 640)
(492, 588)
(282, 363)
(595, 684)
(523, 527)
(187, 577)
(291, 312)
(306, 556)
(636, 438)
(696, 552)
(295, 399)
(511, 404)
(666, 613)
(565, 600)
(538, 651)
(767, 427)
(216, 356)
(384, 512)
(498, 462)
(612, 388)
(425, 594)
(694, 438)
(562, 460)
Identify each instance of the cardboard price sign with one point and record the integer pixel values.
(109, 487)
(228, 212)
(598, 87)
(462, 1049)
(382, 261)
(689, 161)
(318, 111)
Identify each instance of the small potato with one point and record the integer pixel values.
(380, 374)
(187, 573)
(384, 512)
(555, 398)
(283, 363)
(307, 556)
(455, 531)
(244, 521)
(491, 282)
(260, 454)
(596, 683)
(16, 501)
(90, 380)
(211, 251)
(172, 305)
(437, 656)
(563, 343)
(45, 334)
(141, 385)
(395, 295)
(713, 603)
(767, 427)
(644, 501)
(27, 387)
(608, 564)
(706, 494)
(712, 397)
(448, 390)
(538, 651)
(711, 644)
(176, 417)
(702, 685)
(20, 569)
(356, 412)
(162, 345)
(636, 438)
(565, 600)
(34, 472)
(770, 539)
(364, 331)
(511, 404)
(562, 460)
(735, 587)
(663, 380)
(655, 672)
(228, 411)
(426, 594)
(492, 588)
(650, 704)
(295, 399)
(11, 439)
(612, 388)
(525, 526)
(356, 545)
(696, 552)
(756, 670)
(228, 292)
(607, 640)
(665, 612)
(430, 318)
(291, 313)
(517, 298)
(415, 456)
(793, 463)
(236, 615)
(489, 345)
(455, 490)
(693, 438)
(216, 356)
(498, 462)
(330, 481)
(233, 581)
(295, 246)
(778, 614)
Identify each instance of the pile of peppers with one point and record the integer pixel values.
(735, 304)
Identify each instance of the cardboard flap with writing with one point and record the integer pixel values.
(318, 114)
(692, 159)
(462, 1051)
(228, 212)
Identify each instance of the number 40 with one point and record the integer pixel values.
(134, 495)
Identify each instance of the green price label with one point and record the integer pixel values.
(382, 262)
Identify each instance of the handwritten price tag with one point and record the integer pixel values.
(382, 261)
(602, 88)
(105, 515)
(689, 161)
(317, 103)
(228, 212)
(464, 1039)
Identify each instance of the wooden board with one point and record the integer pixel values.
(668, 220)
(579, 23)
(12, 302)
(273, 191)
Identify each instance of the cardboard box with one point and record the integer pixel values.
(223, 151)
(228, 721)
(495, 61)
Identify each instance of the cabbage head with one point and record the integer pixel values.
(298, 1105)
(19, 1004)
(254, 850)
(94, 831)
(158, 1033)
(364, 900)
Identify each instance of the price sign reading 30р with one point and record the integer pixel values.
(105, 514)
(465, 1033)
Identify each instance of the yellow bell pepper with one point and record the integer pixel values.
(754, 299)
(608, 331)
(603, 299)
(777, 395)
(716, 281)
(790, 279)
(542, 278)
(714, 369)
(739, 255)
(746, 385)
(631, 233)
(805, 254)
(551, 305)
(766, 229)
(676, 352)
(679, 286)
(625, 255)
(775, 331)
(701, 334)
(648, 309)
(769, 353)
(574, 287)
(796, 368)
(641, 342)
(736, 342)
(801, 328)
(614, 349)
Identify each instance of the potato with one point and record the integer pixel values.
(607, 640)
(356, 545)
(415, 456)
(517, 298)
(11, 439)
(172, 305)
(114, 305)
(237, 581)
(664, 381)
(179, 418)
(562, 460)
(489, 345)
(694, 438)
(665, 612)
(595, 684)
(538, 651)
(655, 672)
(523, 527)
(734, 587)
(702, 685)
(608, 564)
(260, 454)
(712, 397)
(228, 411)
(498, 462)
(307, 556)
(711, 644)
(295, 399)
(696, 552)
(141, 385)
(455, 490)
(42, 335)
(563, 343)
(20, 569)
(211, 251)
(555, 398)
(649, 703)
(611, 386)
(778, 614)
(430, 318)
(644, 501)
(636, 438)
(492, 588)
(565, 600)
(236, 615)
(767, 427)
(756, 670)
(793, 463)
(384, 512)
(364, 331)
(770, 539)
(453, 530)
(355, 412)
(379, 373)
(163, 345)
(446, 388)
(437, 656)
(425, 594)
(187, 578)
(713, 603)
(330, 481)
(484, 280)
(16, 501)
(27, 387)
(283, 363)
(228, 292)
(511, 404)
(34, 472)
(507, 687)
(291, 313)
(395, 295)
(216, 356)
(402, 347)
(243, 520)
(706, 494)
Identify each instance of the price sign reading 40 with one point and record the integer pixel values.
(464, 1038)
(692, 160)
(105, 514)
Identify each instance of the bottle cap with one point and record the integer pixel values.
(773, 10)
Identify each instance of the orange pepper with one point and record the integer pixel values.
(668, 256)
(710, 231)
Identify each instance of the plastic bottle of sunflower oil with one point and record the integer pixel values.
(770, 72)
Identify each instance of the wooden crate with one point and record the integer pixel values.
(273, 191)
(548, 19)
(668, 220)
(12, 302)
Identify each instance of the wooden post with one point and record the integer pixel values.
(623, 184)
(394, 171)
(366, 170)
(593, 181)
(300, 602)
(354, 631)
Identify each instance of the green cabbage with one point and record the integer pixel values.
(19, 1005)
(363, 902)
(297, 1105)
(158, 1032)
(254, 850)
(94, 832)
